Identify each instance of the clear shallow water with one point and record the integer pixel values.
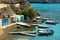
(46, 10)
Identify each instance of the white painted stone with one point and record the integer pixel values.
(0, 22)
(23, 39)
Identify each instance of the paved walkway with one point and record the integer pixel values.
(20, 23)
(23, 39)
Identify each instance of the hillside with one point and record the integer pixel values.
(5, 6)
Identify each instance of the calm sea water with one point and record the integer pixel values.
(46, 10)
(51, 11)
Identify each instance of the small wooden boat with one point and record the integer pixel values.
(43, 26)
(50, 22)
(45, 32)
(38, 18)
(39, 21)
(42, 29)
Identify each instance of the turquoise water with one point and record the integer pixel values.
(51, 7)
(51, 11)
(46, 10)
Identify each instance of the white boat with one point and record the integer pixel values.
(41, 29)
(38, 18)
(43, 26)
(50, 22)
(45, 32)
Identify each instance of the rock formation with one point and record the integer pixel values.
(6, 10)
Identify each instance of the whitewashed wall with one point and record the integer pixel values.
(0, 22)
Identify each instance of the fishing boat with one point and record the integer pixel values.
(50, 22)
(38, 18)
(45, 32)
(43, 26)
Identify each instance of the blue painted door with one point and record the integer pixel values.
(5, 22)
(22, 18)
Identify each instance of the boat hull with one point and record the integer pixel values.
(46, 33)
(50, 23)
